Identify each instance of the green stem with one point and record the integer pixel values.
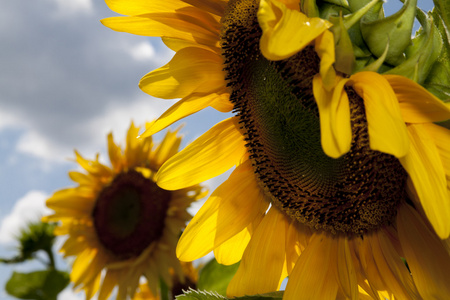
(164, 290)
(51, 258)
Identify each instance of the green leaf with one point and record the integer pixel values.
(443, 8)
(39, 285)
(422, 55)
(215, 277)
(396, 29)
(203, 295)
(199, 295)
(438, 81)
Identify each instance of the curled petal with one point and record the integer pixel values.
(334, 112)
(286, 31)
(387, 130)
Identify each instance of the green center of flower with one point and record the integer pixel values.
(356, 193)
(129, 214)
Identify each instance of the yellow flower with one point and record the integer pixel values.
(337, 177)
(119, 224)
(190, 281)
(144, 293)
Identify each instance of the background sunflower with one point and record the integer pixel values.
(119, 224)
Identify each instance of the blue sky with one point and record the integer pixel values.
(65, 82)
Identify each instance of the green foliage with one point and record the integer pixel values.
(39, 285)
(395, 30)
(438, 81)
(36, 236)
(423, 53)
(216, 277)
(202, 295)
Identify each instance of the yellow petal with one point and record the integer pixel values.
(215, 7)
(82, 264)
(133, 149)
(393, 271)
(416, 103)
(325, 49)
(71, 199)
(92, 166)
(387, 130)
(176, 45)
(297, 239)
(441, 138)
(81, 178)
(291, 4)
(267, 245)
(312, 276)
(183, 108)
(215, 152)
(109, 282)
(345, 271)
(115, 154)
(167, 148)
(198, 27)
(427, 258)
(286, 31)
(137, 7)
(425, 168)
(231, 251)
(334, 112)
(229, 210)
(222, 103)
(191, 70)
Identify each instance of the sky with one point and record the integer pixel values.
(66, 81)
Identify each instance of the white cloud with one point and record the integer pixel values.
(90, 136)
(72, 7)
(34, 143)
(28, 208)
(8, 120)
(142, 51)
(69, 294)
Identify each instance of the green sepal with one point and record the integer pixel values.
(442, 7)
(423, 53)
(215, 277)
(375, 65)
(343, 3)
(347, 35)
(38, 285)
(309, 8)
(345, 57)
(374, 13)
(329, 11)
(438, 80)
(203, 295)
(396, 28)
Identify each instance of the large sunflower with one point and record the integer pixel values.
(120, 224)
(338, 177)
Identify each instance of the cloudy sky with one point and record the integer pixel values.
(65, 82)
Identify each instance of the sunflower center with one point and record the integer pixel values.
(129, 214)
(354, 194)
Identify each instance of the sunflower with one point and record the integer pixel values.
(340, 177)
(119, 224)
(190, 281)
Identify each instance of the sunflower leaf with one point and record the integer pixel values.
(396, 28)
(38, 285)
(215, 277)
(198, 295)
(204, 295)
(438, 81)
